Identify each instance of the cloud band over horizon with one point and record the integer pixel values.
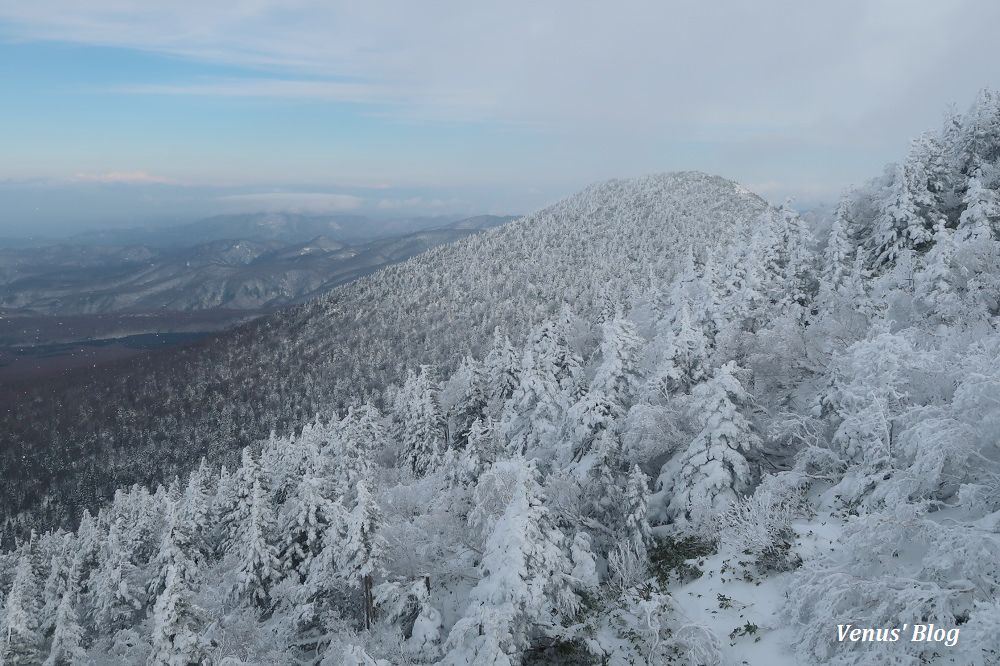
(496, 100)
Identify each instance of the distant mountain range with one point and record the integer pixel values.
(260, 262)
(285, 227)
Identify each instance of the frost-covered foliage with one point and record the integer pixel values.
(735, 383)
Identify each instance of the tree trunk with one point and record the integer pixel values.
(366, 585)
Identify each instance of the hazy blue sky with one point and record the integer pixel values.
(118, 112)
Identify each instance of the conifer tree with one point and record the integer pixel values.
(134, 536)
(981, 217)
(903, 219)
(710, 474)
(935, 287)
(57, 581)
(174, 553)
(236, 499)
(195, 515)
(975, 143)
(839, 252)
(66, 648)
(682, 355)
(361, 548)
(526, 582)
(584, 563)
(592, 416)
(502, 367)
(465, 466)
(471, 404)
(618, 374)
(19, 637)
(634, 507)
(797, 280)
(532, 415)
(603, 487)
(175, 637)
(360, 435)
(304, 520)
(420, 423)
(115, 596)
(259, 567)
(89, 536)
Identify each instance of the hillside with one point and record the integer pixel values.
(237, 273)
(153, 416)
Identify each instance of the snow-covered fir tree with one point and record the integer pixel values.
(20, 642)
(713, 471)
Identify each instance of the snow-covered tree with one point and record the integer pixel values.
(60, 578)
(619, 373)
(838, 256)
(981, 217)
(525, 579)
(422, 429)
(259, 567)
(682, 356)
(174, 554)
(595, 413)
(533, 414)
(634, 507)
(905, 215)
(235, 499)
(713, 471)
(797, 279)
(482, 449)
(194, 515)
(304, 520)
(471, 403)
(66, 648)
(361, 548)
(176, 625)
(502, 367)
(937, 286)
(584, 562)
(20, 641)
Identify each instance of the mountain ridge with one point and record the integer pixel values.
(434, 308)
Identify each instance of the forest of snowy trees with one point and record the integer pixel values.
(68, 444)
(791, 419)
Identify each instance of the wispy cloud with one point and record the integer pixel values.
(133, 177)
(329, 90)
(632, 67)
(292, 202)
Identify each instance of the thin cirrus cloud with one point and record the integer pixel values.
(637, 65)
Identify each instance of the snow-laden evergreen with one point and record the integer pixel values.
(716, 455)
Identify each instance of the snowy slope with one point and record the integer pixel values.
(588, 252)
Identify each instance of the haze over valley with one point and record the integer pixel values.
(100, 296)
